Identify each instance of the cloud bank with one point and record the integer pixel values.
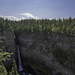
(29, 15)
(22, 16)
(10, 17)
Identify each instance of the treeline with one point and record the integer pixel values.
(66, 26)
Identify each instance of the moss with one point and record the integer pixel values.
(43, 71)
(65, 58)
(1, 41)
(58, 73)
(39, 66)
(60, 55)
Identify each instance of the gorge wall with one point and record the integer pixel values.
(54, 50)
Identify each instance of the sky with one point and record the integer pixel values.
(37, 9)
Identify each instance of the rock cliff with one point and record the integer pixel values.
(54, 50)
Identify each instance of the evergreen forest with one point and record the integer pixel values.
(64, 26)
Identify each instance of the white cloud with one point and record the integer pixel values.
(29, 15)
(12, 17)
(50, 18)
(22, 16)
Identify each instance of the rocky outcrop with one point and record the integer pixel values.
(8, 45)
(43, 47)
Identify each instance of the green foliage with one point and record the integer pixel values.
(58, 73)
(14, 69)
(66, 26)
(65, 58)
(60, 55)
(1, 37)
(44, 71)
(63, 26)
(1, 41)
(5, 24)
(4, 55)
(3, 70)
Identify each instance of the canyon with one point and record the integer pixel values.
(53, 51)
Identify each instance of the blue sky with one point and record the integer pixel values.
(23, 9)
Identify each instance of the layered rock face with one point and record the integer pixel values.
(54, 50)
(8, 45)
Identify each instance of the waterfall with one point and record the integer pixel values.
(19, 60)
(22, 71)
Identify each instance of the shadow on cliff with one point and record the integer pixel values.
(26, 68)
